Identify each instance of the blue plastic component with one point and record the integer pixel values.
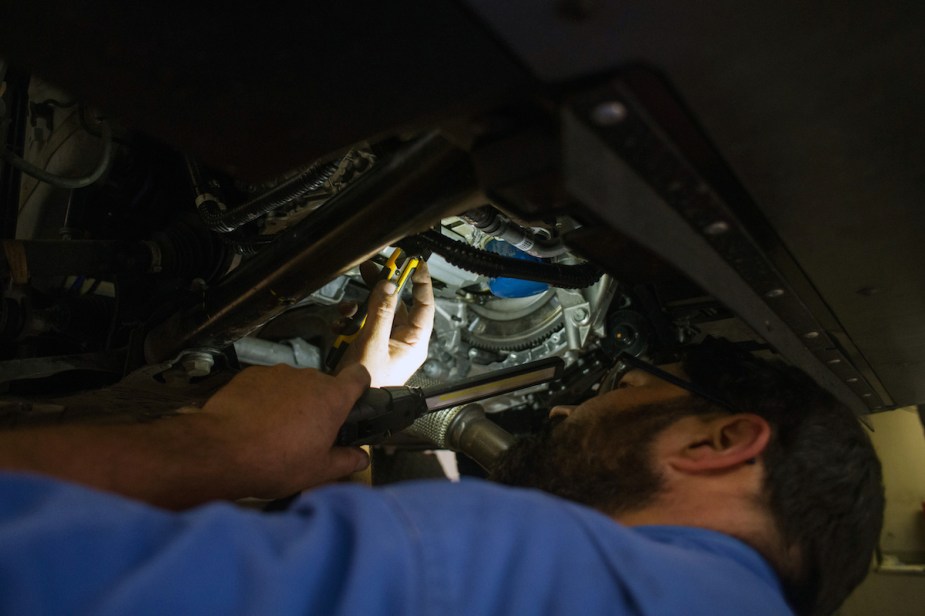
(513, 287)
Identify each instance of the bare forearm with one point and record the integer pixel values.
(174, 462)
(268, 433)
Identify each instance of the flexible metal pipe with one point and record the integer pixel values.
(467, 430)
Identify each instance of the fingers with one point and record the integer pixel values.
(421, 316)
(347, 309)
(378, 329)
(354, 381)
(370, 273)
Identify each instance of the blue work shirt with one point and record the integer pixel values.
(429, 548)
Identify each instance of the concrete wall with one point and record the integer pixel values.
(900, 442)
(901, 446)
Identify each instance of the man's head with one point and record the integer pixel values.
(787, 469)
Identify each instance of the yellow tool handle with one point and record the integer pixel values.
(358, 320)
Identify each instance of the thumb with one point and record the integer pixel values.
(354, 380)
(345, 460)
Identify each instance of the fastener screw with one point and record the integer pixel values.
(716, 228)
(609, 113)
(198, 364)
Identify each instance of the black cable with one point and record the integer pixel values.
(489, 264)
(56, 103)
(309, 182)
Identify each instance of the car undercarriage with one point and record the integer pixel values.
(188, 192)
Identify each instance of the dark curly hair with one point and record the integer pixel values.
(823, 480)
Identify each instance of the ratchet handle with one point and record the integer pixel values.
(379, 413)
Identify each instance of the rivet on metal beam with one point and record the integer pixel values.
(609, 113)
(811, 335)
(716, 228)
(774, 293)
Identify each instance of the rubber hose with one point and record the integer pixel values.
(489, 264)
(58, 181)
(227, 220)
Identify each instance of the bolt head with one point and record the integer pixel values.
(198, 365)
(716, 228)
(432, 369)
(609, 113)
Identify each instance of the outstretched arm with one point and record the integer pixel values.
(268, 433)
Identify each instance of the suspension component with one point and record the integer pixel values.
(491, 221)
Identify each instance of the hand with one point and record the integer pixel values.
(393, 343)
(268, 433)
(279, 424)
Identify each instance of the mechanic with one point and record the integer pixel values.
(684, 506)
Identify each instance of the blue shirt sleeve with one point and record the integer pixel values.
(419, 548)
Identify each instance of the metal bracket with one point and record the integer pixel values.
(622, 166)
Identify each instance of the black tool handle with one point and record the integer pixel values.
(379, 413)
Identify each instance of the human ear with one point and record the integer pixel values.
(722, 443)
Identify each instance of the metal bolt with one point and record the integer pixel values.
(609, 113)
(774, 293)
(716, 228)
(580, 315)
(811, 335)
(625, 335)
(198, 364)
(432, 369)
